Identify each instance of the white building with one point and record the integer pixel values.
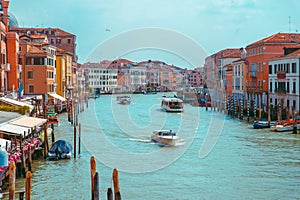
(284, 81)
(101, 77)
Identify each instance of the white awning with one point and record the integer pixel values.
(29, 122)
(3, 142)
(56, 96)
(14, 102)
(14, 129)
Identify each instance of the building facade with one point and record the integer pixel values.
(284, 83)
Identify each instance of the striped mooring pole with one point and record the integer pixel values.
(254, 112)
(248, 110)
(242, 108)
(235, 106)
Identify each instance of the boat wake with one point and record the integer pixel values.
(140, 140)
(179, 143)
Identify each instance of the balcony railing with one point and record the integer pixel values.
(281, 75)
(253, 74)
(280, 90)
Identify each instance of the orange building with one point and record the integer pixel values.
(258, 55)
(37, 66)
(13, 60)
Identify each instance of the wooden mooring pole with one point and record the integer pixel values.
(52, 133)
(28, 185)
(12, 180)
(79, 138)
(96, 187)
(116, 185)
(93, 172)
(45, 142)
(75, 132)
(109, 194)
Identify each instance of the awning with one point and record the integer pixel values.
(16, 103)
(56, 96)
(3, 142)
(29, 122)
(14, 129)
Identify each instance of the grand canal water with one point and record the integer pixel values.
(244, 164)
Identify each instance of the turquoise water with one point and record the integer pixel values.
(244, 164)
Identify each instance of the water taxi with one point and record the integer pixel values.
(172, 104)
(164, 137)
(125, 100)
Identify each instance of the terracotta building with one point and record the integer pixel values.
(60, 39)
(258, 55)
(38, 65)
(215, 74)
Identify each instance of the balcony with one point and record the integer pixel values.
(281, 74)
(253, 74)
(280, 90)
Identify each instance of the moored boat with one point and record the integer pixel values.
(285, 125)
(262, 124)
(61, 149)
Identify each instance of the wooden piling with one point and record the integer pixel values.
(74, 140)
(28, 185)
(116, 185)
(12, 180)
(52, 133)
(45, 142)
(29, 159)
(96, 187)
(109, 194)
(79, 138)
(23, 157)
(93, 172)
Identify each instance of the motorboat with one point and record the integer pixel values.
(262, 124)
(172, 104)
(285, 125)
(125, 100)
(61, 149)
(164, 137)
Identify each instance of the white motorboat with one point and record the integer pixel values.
(164, 137)
(171, 104)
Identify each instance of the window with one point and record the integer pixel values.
(270, 69)
(293, 67)
(50, 74)
(271, 85)
(253, 67)
(31, 89)
(69, 41)
(294, 87)
(50, 88)
(30, 74)
(58, 41)
(288, 87)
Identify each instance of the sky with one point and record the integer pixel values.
(212, 24)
